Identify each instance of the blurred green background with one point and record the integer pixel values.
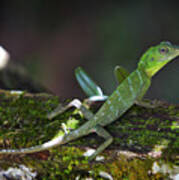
(52, 38)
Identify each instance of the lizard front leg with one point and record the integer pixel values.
(74, 103)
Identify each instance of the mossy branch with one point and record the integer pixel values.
(141, 137)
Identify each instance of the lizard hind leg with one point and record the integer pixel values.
(100, 131)
(108, 140)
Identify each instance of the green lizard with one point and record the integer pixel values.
(130, 90)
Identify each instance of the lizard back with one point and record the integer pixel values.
(122, 98)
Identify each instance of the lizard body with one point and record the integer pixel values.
(130, 90)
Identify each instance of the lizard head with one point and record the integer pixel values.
(158, 56)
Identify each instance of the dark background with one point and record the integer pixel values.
(52, 38)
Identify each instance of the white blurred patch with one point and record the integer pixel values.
(105, 175)
(20, 173)
(89, 152)
(99, 158)
(16, 92)
(176, 177)
(172, 171)
(4, 58)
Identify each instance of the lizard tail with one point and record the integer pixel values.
(61, 139)
(49, 144)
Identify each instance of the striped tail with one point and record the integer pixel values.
(49, 144)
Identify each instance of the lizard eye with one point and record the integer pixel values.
(163, 50)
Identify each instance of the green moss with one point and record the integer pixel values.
(23, 123)
(24, 118)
